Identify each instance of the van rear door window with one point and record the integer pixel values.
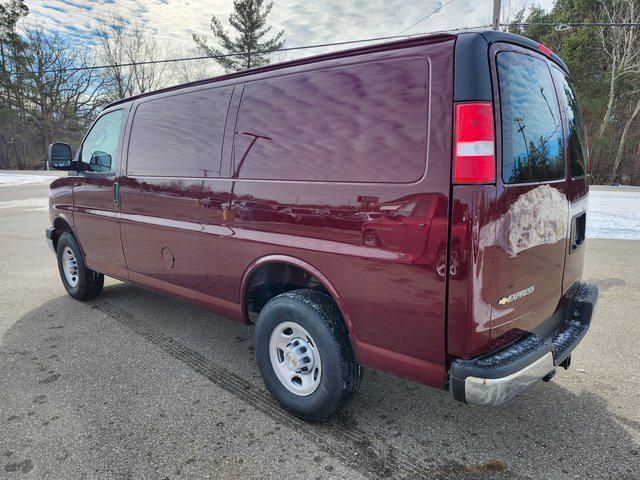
(358, 123)
(532, 142)
(180, 135)
(575, 125)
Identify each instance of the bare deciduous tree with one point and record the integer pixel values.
(513, 11)
(43, 95)
(120, 42)
(190, 71)
(56, 97)
(623, 139)
(622, 47)
(12, 58)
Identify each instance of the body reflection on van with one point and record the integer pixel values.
(416, 228)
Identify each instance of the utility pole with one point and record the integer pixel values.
(496, 14)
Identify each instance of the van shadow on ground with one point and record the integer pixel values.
(394, 428)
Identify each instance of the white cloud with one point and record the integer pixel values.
(172, 22)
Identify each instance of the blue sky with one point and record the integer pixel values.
(172, 22)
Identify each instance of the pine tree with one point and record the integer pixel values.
(249, 19)
(13, 57)
(12, 46)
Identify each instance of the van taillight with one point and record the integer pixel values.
(474, 150)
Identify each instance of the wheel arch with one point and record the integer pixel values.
(302, 265)
(63, 224)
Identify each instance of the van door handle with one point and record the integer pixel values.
(116, 195)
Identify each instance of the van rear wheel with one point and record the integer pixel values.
(81, 282)
(304, 354)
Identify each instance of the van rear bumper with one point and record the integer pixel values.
(495, 378)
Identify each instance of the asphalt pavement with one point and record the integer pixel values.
(134, 385)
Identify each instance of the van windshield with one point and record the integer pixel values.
(532, 143)
(575, 126)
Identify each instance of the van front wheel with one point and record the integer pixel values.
(81, 282)
(304, 354)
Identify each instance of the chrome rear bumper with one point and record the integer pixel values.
(496, 391)
(496, 378)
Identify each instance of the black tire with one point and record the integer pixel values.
(340, 378)
(89, 282)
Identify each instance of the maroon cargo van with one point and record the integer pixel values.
(416, 207)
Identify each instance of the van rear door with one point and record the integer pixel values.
(532, 207)
(577, 150)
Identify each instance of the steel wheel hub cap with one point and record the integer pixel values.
(70, 267)
(299, 356)
(295, 358)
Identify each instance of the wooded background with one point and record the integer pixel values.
(45, 98)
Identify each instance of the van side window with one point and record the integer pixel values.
(357, 123)
(180, 135)
(100, 148)
(575, 126)
(532, 142)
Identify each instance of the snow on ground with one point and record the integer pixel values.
(26, 204)
(12, 179)
(614, 213)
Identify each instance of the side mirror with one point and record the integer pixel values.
(100, 162)
(59, 156)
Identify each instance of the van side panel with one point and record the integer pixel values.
(173, 233)
(391, 292)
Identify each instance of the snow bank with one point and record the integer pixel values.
(9, 179)
(614, 213)
(26, 204)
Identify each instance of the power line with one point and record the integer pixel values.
(332, 44)
(572, 24)
(425, 17)
(261, 52)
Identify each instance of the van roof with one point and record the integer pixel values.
(490, 36)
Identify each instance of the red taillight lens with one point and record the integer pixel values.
(546, 50)
(474, 150)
